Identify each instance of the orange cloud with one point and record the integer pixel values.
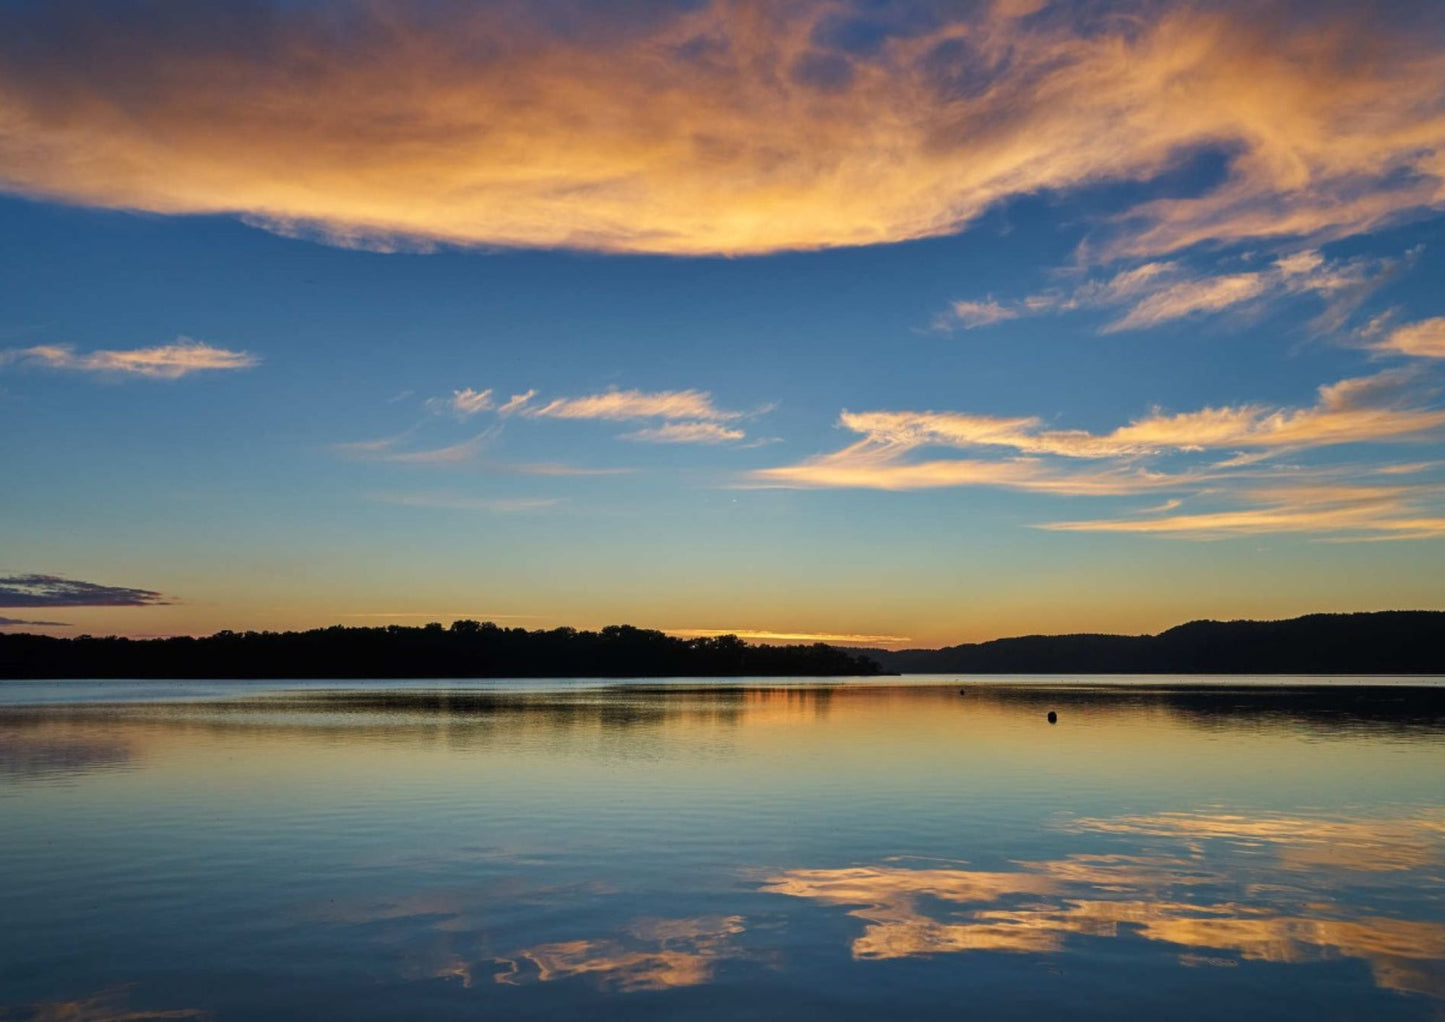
(734, 127)
(164, 362)
(1038, 907)
(621, 405)
(1425, 339)
(654, 954)
(1359, 410)
(1371, 409)
(1357, 512)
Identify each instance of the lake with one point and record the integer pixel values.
(764, 849)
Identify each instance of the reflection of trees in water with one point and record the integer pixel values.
(638, 712)
(459, 720)
(1322, 709)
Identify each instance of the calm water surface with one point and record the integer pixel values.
(778, 850)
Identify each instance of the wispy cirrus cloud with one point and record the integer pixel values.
(164, 362)
(449, 454)
(625, 405)
(687, 416)
(1425, 339)
(971, 314)
(515, 403)
(1356, 512)
(1154, 293)
(1382, 407)
(687, 433)
(719, 127)
(469, 452)
(391, 449)
(463, 403)
(36, 590)
(1237, 495)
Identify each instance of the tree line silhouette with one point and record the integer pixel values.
(1386, 642)
(466, 649)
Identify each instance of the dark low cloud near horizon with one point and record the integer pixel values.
(54, 591)
(10, 622)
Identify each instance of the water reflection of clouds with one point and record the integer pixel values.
(109, 1005)
(1382, 844)
(1037, 908)
(653, 954)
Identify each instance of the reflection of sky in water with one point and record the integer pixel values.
(44, 749)
(697, 851)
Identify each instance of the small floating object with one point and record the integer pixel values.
(1053, 717)
(963, 691)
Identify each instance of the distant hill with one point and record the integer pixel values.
(1389, 642)
(468, 649)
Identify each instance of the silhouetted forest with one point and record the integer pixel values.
(1389, 642)
(468, 649)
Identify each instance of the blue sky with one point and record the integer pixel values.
(948, 374)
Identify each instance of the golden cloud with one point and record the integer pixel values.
(164, 362)
(1358, 410)
(1385, 407)
(1375, 512)
(621, 405)
(655, 954)
(1425, 339)
(911, 912)
(734, 127)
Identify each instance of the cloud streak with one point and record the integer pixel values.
(725, 127)
(1364, 512)
(1425, 339)
(1357, 410)
(623, 405)
(1023, 454)
(687, 433)
(463, 403)
(687, 416)
(164, 362)
(1155, 293)
(35, 590)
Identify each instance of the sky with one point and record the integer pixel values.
(898, 323)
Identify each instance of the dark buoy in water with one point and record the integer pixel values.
(1053, 717)
(963, 691)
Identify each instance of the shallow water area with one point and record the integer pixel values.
(771, 848)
